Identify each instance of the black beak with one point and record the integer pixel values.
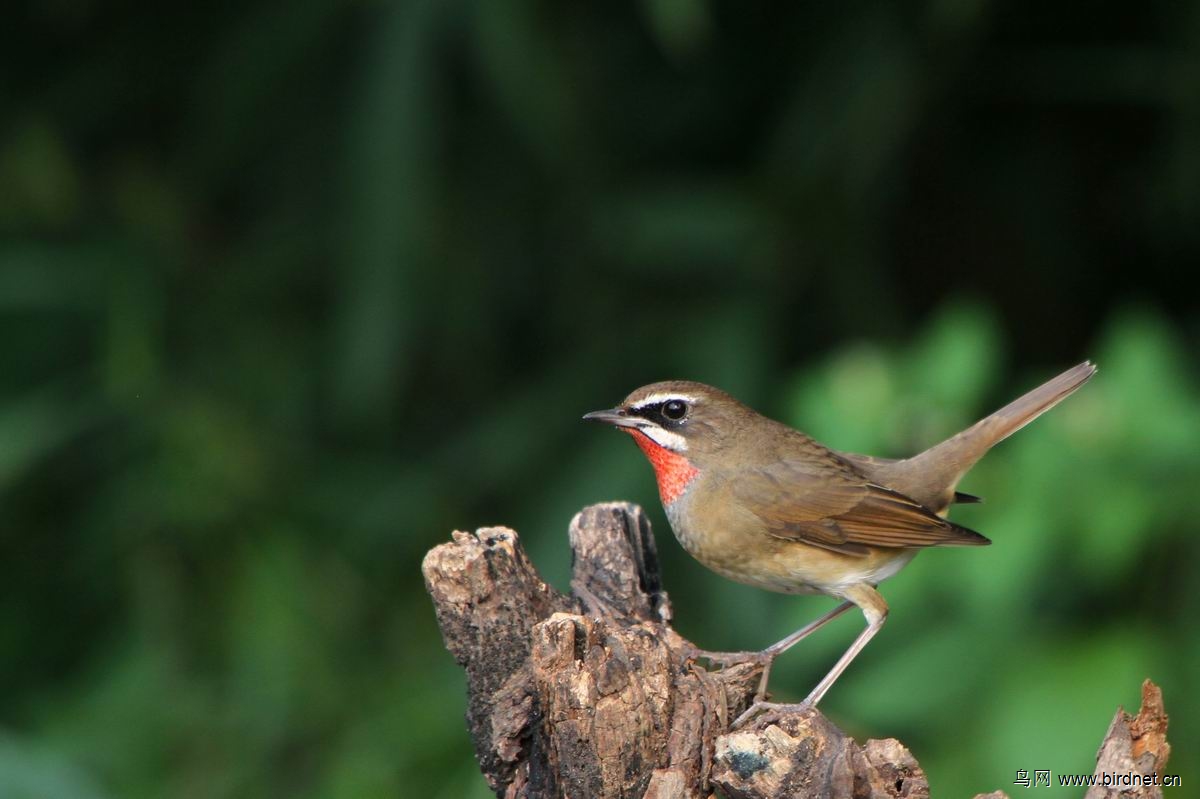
(614, 416)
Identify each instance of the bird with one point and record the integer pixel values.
(761, 503)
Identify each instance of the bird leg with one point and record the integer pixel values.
(779, 647)
(726, 658)
(767, 656)
(875, 610)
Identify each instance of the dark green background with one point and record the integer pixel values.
(290, 290)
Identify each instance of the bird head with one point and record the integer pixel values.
(680, 425)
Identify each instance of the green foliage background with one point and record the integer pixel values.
(289, 291)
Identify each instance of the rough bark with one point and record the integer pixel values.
(1134, 745)
(595, 695)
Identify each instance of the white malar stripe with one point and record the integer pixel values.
(664, 438)
(654, 399)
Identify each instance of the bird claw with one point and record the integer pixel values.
(770, 711)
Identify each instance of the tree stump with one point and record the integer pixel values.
(595, 695)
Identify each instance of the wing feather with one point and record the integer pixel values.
(829, 504)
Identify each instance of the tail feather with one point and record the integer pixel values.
(930, 477)
(1023, 410)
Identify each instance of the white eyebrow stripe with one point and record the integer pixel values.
(654, 399)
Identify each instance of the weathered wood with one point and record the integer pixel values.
(488, 597)
(595, 695)
(1134, 745)
(804, 754)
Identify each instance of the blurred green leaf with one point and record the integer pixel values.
(28, 772)
(42, 186)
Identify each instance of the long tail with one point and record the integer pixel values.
(930, 477)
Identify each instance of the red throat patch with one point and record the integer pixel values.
(674, 472)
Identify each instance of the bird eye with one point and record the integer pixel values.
(674, 409)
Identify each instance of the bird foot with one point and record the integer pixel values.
(730, 658)
(768, 711)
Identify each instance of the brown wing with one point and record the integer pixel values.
(827, 503)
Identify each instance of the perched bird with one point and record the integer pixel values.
(763, 504)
